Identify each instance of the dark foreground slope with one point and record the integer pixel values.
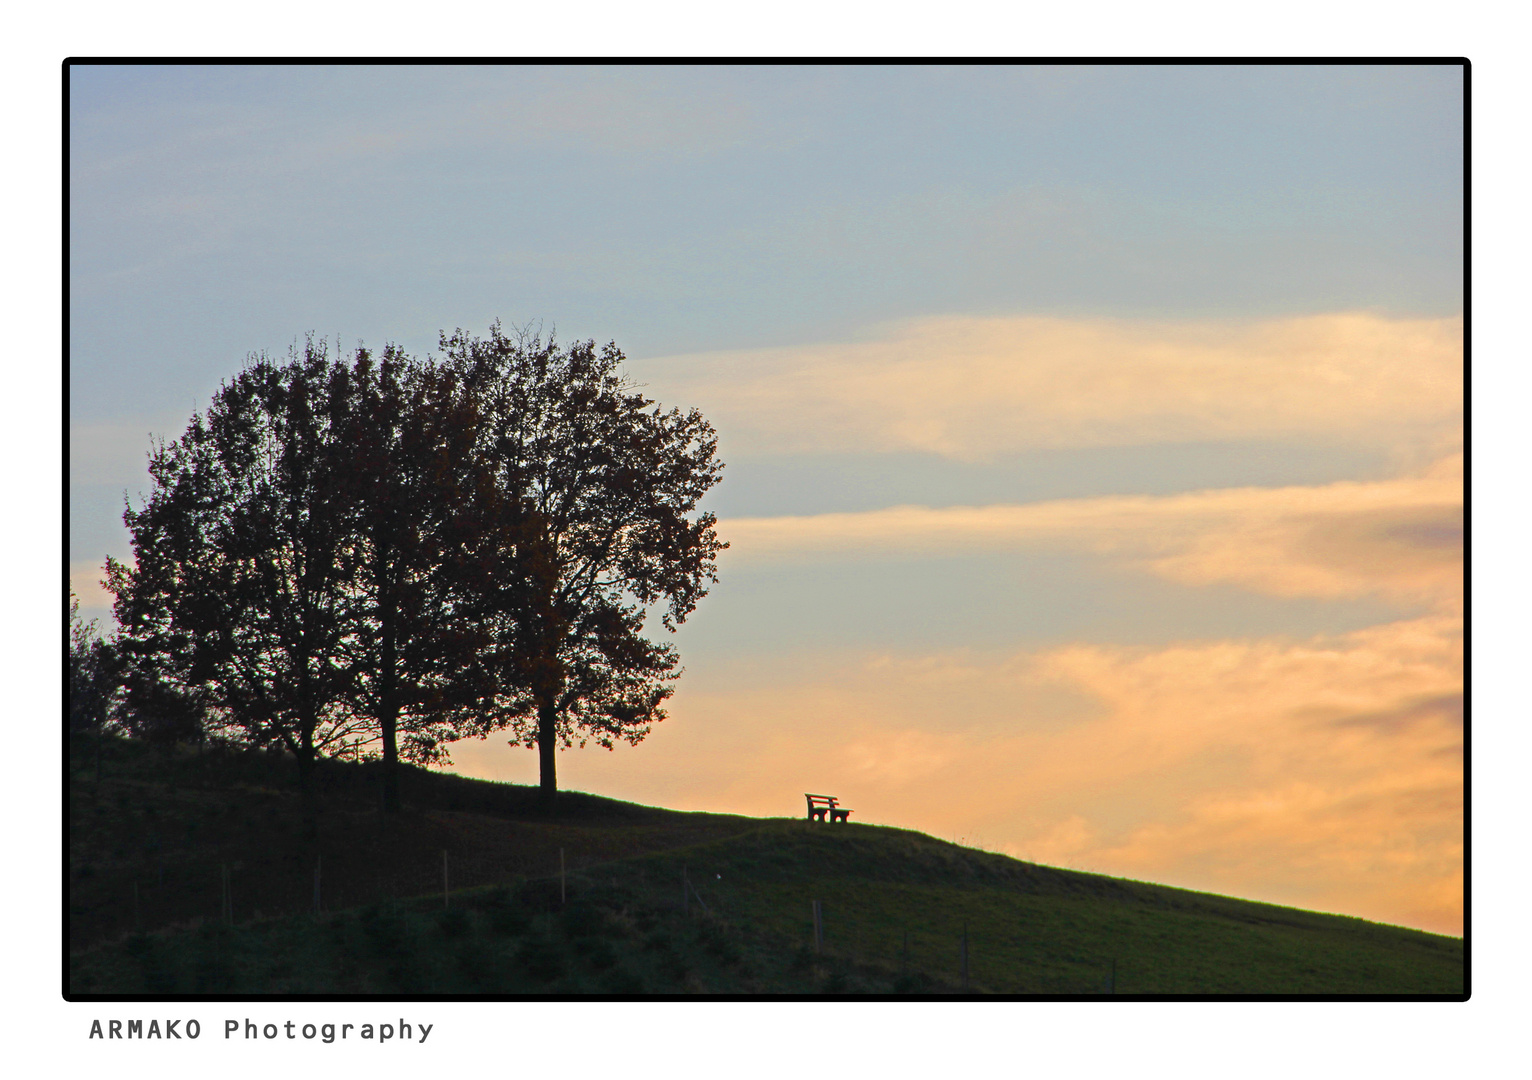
(652, 902)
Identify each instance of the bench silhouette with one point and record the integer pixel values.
(820, 805)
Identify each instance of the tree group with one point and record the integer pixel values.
(381, 555)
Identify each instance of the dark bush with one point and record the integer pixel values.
(384, 929)
(675, 966)
(724, 952)
(584, 920)
(622, 982)
(509, 919)
(595, 953)
(801, 960)
(476, 964)
(539, 895)
(540, 959)
(159, 978)
(215, 974)
(404, 975)
(452, 922)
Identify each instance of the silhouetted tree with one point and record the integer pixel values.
(93, 674)
(322, 564)
(605, 481)
(408, 553)
(236, 608)
(431, 558)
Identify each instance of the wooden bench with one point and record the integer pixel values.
(820, 805)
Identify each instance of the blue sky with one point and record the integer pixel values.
(720, 208)
(1163, 364)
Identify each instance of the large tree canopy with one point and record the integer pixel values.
(235, 599)
(384, 555)
(608, 483)
(431, 560)
(291, 565)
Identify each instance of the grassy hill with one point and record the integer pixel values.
(196, 874)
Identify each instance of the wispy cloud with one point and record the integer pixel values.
(1399, 538)
(971, 387)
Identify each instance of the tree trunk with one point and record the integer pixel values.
(547, 733)
(389, 721)
(388, 679)
(305, 759)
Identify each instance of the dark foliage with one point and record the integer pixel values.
(431, 559)
(376, 557)
(452, 922)
(237, 606)
(541, 959)
(608, 481)
(93, 674)
(307, 564)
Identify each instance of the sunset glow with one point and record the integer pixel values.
(1094, 436)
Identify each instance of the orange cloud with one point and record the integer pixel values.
(972, 387)
(1401, 538)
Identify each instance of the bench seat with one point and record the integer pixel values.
(822, 805)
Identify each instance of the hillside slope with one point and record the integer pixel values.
(196, 875)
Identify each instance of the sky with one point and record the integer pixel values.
(1094, 435)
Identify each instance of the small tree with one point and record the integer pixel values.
(93, 674)
(607, 482)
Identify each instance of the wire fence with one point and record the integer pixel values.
(158, 874)
(171, 892)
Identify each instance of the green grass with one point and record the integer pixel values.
(895, 903)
